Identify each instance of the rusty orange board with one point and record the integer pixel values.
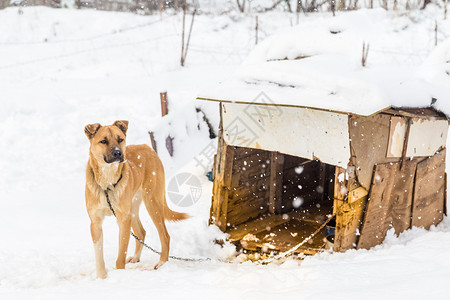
(429, 191)
(389, 204)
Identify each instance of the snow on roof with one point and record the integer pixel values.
(318, 65)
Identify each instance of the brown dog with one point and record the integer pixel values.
(128, 174)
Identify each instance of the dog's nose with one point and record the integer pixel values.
(117, 153)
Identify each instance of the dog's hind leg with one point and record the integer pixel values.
(138, 229)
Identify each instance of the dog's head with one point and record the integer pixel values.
(108, 143)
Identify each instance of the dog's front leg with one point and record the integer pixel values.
(124, 221)
(97, 238)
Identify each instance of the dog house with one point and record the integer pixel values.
(304, 137)
(308, 132)
(281, 171)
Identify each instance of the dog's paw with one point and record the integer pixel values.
(159, 264)
(101, 275)
(133, 259)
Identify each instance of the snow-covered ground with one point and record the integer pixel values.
(63, 69)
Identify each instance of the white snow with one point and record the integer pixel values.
(63, 69)
(318, 64)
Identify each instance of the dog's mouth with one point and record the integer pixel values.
(113, 160)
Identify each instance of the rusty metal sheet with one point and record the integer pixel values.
(303, 132)
(426, 136)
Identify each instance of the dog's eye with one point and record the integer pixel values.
(104, 141)
(120, 140)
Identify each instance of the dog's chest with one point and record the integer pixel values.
(109, 202)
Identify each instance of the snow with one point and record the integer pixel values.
(318, 64)
(63, 69)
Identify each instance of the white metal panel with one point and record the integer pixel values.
(426, 136)
(303, 132)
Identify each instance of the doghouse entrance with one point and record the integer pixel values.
(275, 200)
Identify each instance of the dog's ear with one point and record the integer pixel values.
(123, 125)
(91, 129)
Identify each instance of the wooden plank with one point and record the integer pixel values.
(322, 179)
(389, 204)
(374, 230)
(429, 191)
(369, 141)
(399, 216)
(349, 221)
(247, 208)
(248, 171)
(248, 192)
(242, 191)
(276, 182)
(357, 194)
(223, 167)
(429, 113)
(214, 210)
(340, 193)
(224, 185)
(349, 214)
(257, 225)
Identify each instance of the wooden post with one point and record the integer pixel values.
(222, 182)
(223, 167)
(276, 182)
(169, 145)
(241, 6)
(435, 33)
(365, 53)
(165, 111)
(182, 33)
(152, 139)
(405, 143)
(340, 194)
(189, 36)
(164, 103)
(299, 7)
(445, 10)
(256, 31)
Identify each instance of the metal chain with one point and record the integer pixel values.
(264, 262)
(155, 251)
(292, 250)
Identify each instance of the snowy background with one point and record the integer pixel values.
(61, 69)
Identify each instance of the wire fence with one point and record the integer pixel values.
(143, 7)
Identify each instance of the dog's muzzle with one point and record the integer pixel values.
(116, 156)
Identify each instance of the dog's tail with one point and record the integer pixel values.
(171, 215)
